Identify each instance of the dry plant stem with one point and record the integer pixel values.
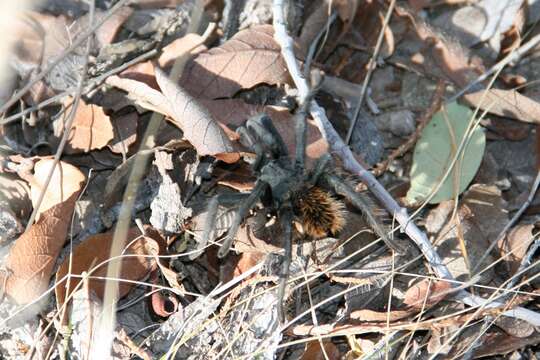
(79, 39)
(67, 126)
(350, 164)
(512, 57)
(424, 120)
(371, 67)
(511, 223)
(110, 298)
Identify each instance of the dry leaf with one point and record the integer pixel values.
(516, 244)
(314, 351)
(66, 181)
(125, 133)
(189, 44)
(197, 124)
(31, 260)
(506, 103)
(91, 129)
(250, 58)
(379, 316)
(429, 291)
(96, 249)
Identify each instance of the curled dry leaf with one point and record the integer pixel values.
(380, 316)
(91, 129)
(250, 58)
(30, 261)
(429, 291)
(66, 181)
(198, 125)
(91, 253)
(506, 103)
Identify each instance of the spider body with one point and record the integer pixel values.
(318, 212)
(294, 194)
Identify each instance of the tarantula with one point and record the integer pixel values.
(304, 197)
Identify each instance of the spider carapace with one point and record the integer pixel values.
(297, 196)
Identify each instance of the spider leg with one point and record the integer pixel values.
(363, 204)
(241, 213)
(320, 166)
(300, 133)
(286, 218)
(247, 140)
(263, 128)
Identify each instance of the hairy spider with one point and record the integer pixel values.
(299, 196)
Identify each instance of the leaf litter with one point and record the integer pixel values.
(178, 298)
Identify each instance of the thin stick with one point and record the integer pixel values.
(371, 67)
(350, 164)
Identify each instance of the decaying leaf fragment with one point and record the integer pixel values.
(91, 128)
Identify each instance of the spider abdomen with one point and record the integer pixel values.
(318, 212)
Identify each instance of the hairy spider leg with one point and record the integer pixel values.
(362, 204)
(319, 169)
(256, 193)
(263, 128)
(247, 140)
(300, 140)
(286, 218)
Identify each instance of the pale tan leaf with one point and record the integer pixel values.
(188, 44)
(87, 257)
(31, 260)
(66, 181)
(429, 291)
(250, 58)
(91, 129)
(198, 125)
(142, 94)
(506, 103)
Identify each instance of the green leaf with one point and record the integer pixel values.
(435, 151)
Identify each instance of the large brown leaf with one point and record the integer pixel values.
(96, 249)
(250, 58)
(30, 261)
